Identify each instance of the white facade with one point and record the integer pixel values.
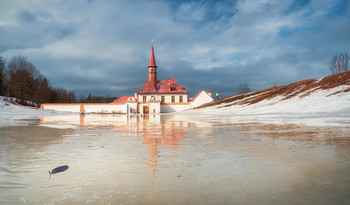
(62, 107)
(201, 98)
(153, 105)
(102, 108)
(168, 98)
(177, 107)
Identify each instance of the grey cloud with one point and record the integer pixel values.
(103, 47)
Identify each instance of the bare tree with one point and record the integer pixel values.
(243, 88)
(2, 76)
(42, 90)
(21, 79)
(61, 95)
(22, 76)
(339, 63)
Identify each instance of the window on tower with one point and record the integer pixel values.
(144, 99)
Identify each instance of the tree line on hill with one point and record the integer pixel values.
(339, 63)
(22, 80)
(96, 99)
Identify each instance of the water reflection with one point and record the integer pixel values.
(168, 132)
(336, 137)
(156, 131)
(173, 159)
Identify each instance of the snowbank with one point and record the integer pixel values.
(14, 114)
(320, 101)
(316, 102)
(330, 94)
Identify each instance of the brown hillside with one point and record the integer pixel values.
(301, 88)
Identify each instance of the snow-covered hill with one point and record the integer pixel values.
(330, 94)
(12, 113)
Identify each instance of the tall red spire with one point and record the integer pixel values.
(152, 70)
(152, 60)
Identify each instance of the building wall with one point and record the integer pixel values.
(154, 107)
(62, 107)
(86, 108)
(141, 105)
(105, 108)
(174, 107)
(167, 97)
(148, 97)
(132, 106)
(177, 97)
(201, 99)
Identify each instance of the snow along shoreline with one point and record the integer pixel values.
(305, 111)
(12, 114)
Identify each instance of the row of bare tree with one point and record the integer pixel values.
(22, 80)
(339, 63)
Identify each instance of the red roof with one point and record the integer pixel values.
(171, 87)
(152, 60)
(122, 99)
(148, 88)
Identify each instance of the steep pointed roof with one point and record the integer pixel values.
(194, 97)
(152, 60)
(171, 87)
(148, 88)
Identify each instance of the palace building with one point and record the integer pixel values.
(156, 96)
(164, 96)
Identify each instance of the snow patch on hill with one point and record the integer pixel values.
(317, 102)
(324, 95)
(13, 114)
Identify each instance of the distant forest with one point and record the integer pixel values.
(22, 80)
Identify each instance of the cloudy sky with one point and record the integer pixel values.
(102, 47)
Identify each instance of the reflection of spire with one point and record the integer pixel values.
(167, 134)
(153, 155)
(81, 121)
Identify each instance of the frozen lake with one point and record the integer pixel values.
(173, 159)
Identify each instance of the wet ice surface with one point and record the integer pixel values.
(173, 159)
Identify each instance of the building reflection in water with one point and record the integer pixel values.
(157, 132)
(164, 135)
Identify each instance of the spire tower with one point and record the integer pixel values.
(152, 68)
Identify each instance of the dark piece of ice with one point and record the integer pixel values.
(58, 170)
